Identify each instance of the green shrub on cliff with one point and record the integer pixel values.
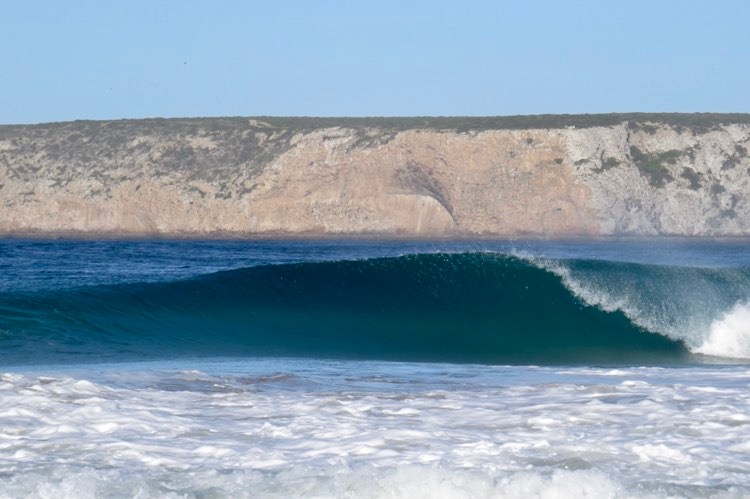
(652, 165)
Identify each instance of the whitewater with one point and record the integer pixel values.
(374, 369)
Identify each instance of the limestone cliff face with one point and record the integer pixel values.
(639, 175)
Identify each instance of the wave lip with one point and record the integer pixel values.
(706, 309)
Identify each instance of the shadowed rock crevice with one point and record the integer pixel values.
(417, 179)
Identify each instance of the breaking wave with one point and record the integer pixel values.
(465, 307)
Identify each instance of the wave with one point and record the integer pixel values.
(706, 309)
(468, 307)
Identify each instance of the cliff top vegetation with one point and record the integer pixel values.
(698, 122)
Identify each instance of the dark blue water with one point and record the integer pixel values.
(517, 302)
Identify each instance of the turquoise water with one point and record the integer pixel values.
(374, 369)
(507, 303)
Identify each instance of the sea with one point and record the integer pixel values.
(373, 368)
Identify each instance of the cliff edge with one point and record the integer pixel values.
(627, 174)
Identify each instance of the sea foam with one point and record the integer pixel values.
(287, 427)
(729, 336)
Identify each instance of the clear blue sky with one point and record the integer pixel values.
(102, 59)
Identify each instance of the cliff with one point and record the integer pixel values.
(636, 174)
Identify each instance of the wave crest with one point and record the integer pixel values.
(468, 307)
(700, 307)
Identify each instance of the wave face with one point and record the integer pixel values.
(707, 309)
(470, 307)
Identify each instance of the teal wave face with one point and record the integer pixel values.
(432, 307)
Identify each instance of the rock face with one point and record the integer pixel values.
(546, 175)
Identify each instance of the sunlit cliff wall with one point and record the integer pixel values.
(518, 176)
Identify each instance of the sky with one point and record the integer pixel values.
(67, 60)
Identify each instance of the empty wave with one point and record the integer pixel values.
(469, 307)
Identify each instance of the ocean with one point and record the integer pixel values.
(604, 368)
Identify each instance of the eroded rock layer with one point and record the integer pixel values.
(545, 175)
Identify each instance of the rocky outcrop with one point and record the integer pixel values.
(554, 175)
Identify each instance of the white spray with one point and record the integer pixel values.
(729, 336)
(706, 309)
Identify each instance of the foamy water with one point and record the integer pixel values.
(314, 428)
(729, 336)
(279, 428)
(697, 307)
